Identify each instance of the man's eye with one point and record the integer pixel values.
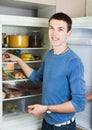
(60, 29)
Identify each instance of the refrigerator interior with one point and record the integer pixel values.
(18, 105)
(80, 41)
(13, 110)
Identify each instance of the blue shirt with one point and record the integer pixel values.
(63, 80)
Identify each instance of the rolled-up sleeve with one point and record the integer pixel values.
(77, 84)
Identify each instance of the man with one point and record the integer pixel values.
(62, 75)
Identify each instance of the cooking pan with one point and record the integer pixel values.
(18, 41)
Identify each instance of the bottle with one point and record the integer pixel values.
(3, 39)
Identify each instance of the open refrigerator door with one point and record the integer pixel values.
(81, 42)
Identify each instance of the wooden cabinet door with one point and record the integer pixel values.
(74, 8)
(88, 7)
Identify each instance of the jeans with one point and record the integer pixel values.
(46, 126)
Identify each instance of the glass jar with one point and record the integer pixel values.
(35, 39)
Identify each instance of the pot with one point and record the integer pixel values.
(18, 41)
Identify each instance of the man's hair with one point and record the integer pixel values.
(64, 17)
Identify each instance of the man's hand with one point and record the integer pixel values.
(37, 109)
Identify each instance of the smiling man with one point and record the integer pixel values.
(62, 77)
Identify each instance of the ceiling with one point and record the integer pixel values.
(21, 4)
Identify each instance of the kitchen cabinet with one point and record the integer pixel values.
(47, 2)
(71, 7)
(88, 7)
(33, 8)
(13, 110)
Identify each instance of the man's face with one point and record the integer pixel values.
(58, 33)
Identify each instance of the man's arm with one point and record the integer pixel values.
(10, 57)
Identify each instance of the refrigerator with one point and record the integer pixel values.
(13, 110)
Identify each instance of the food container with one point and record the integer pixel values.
(18, 41)
(35, 39)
